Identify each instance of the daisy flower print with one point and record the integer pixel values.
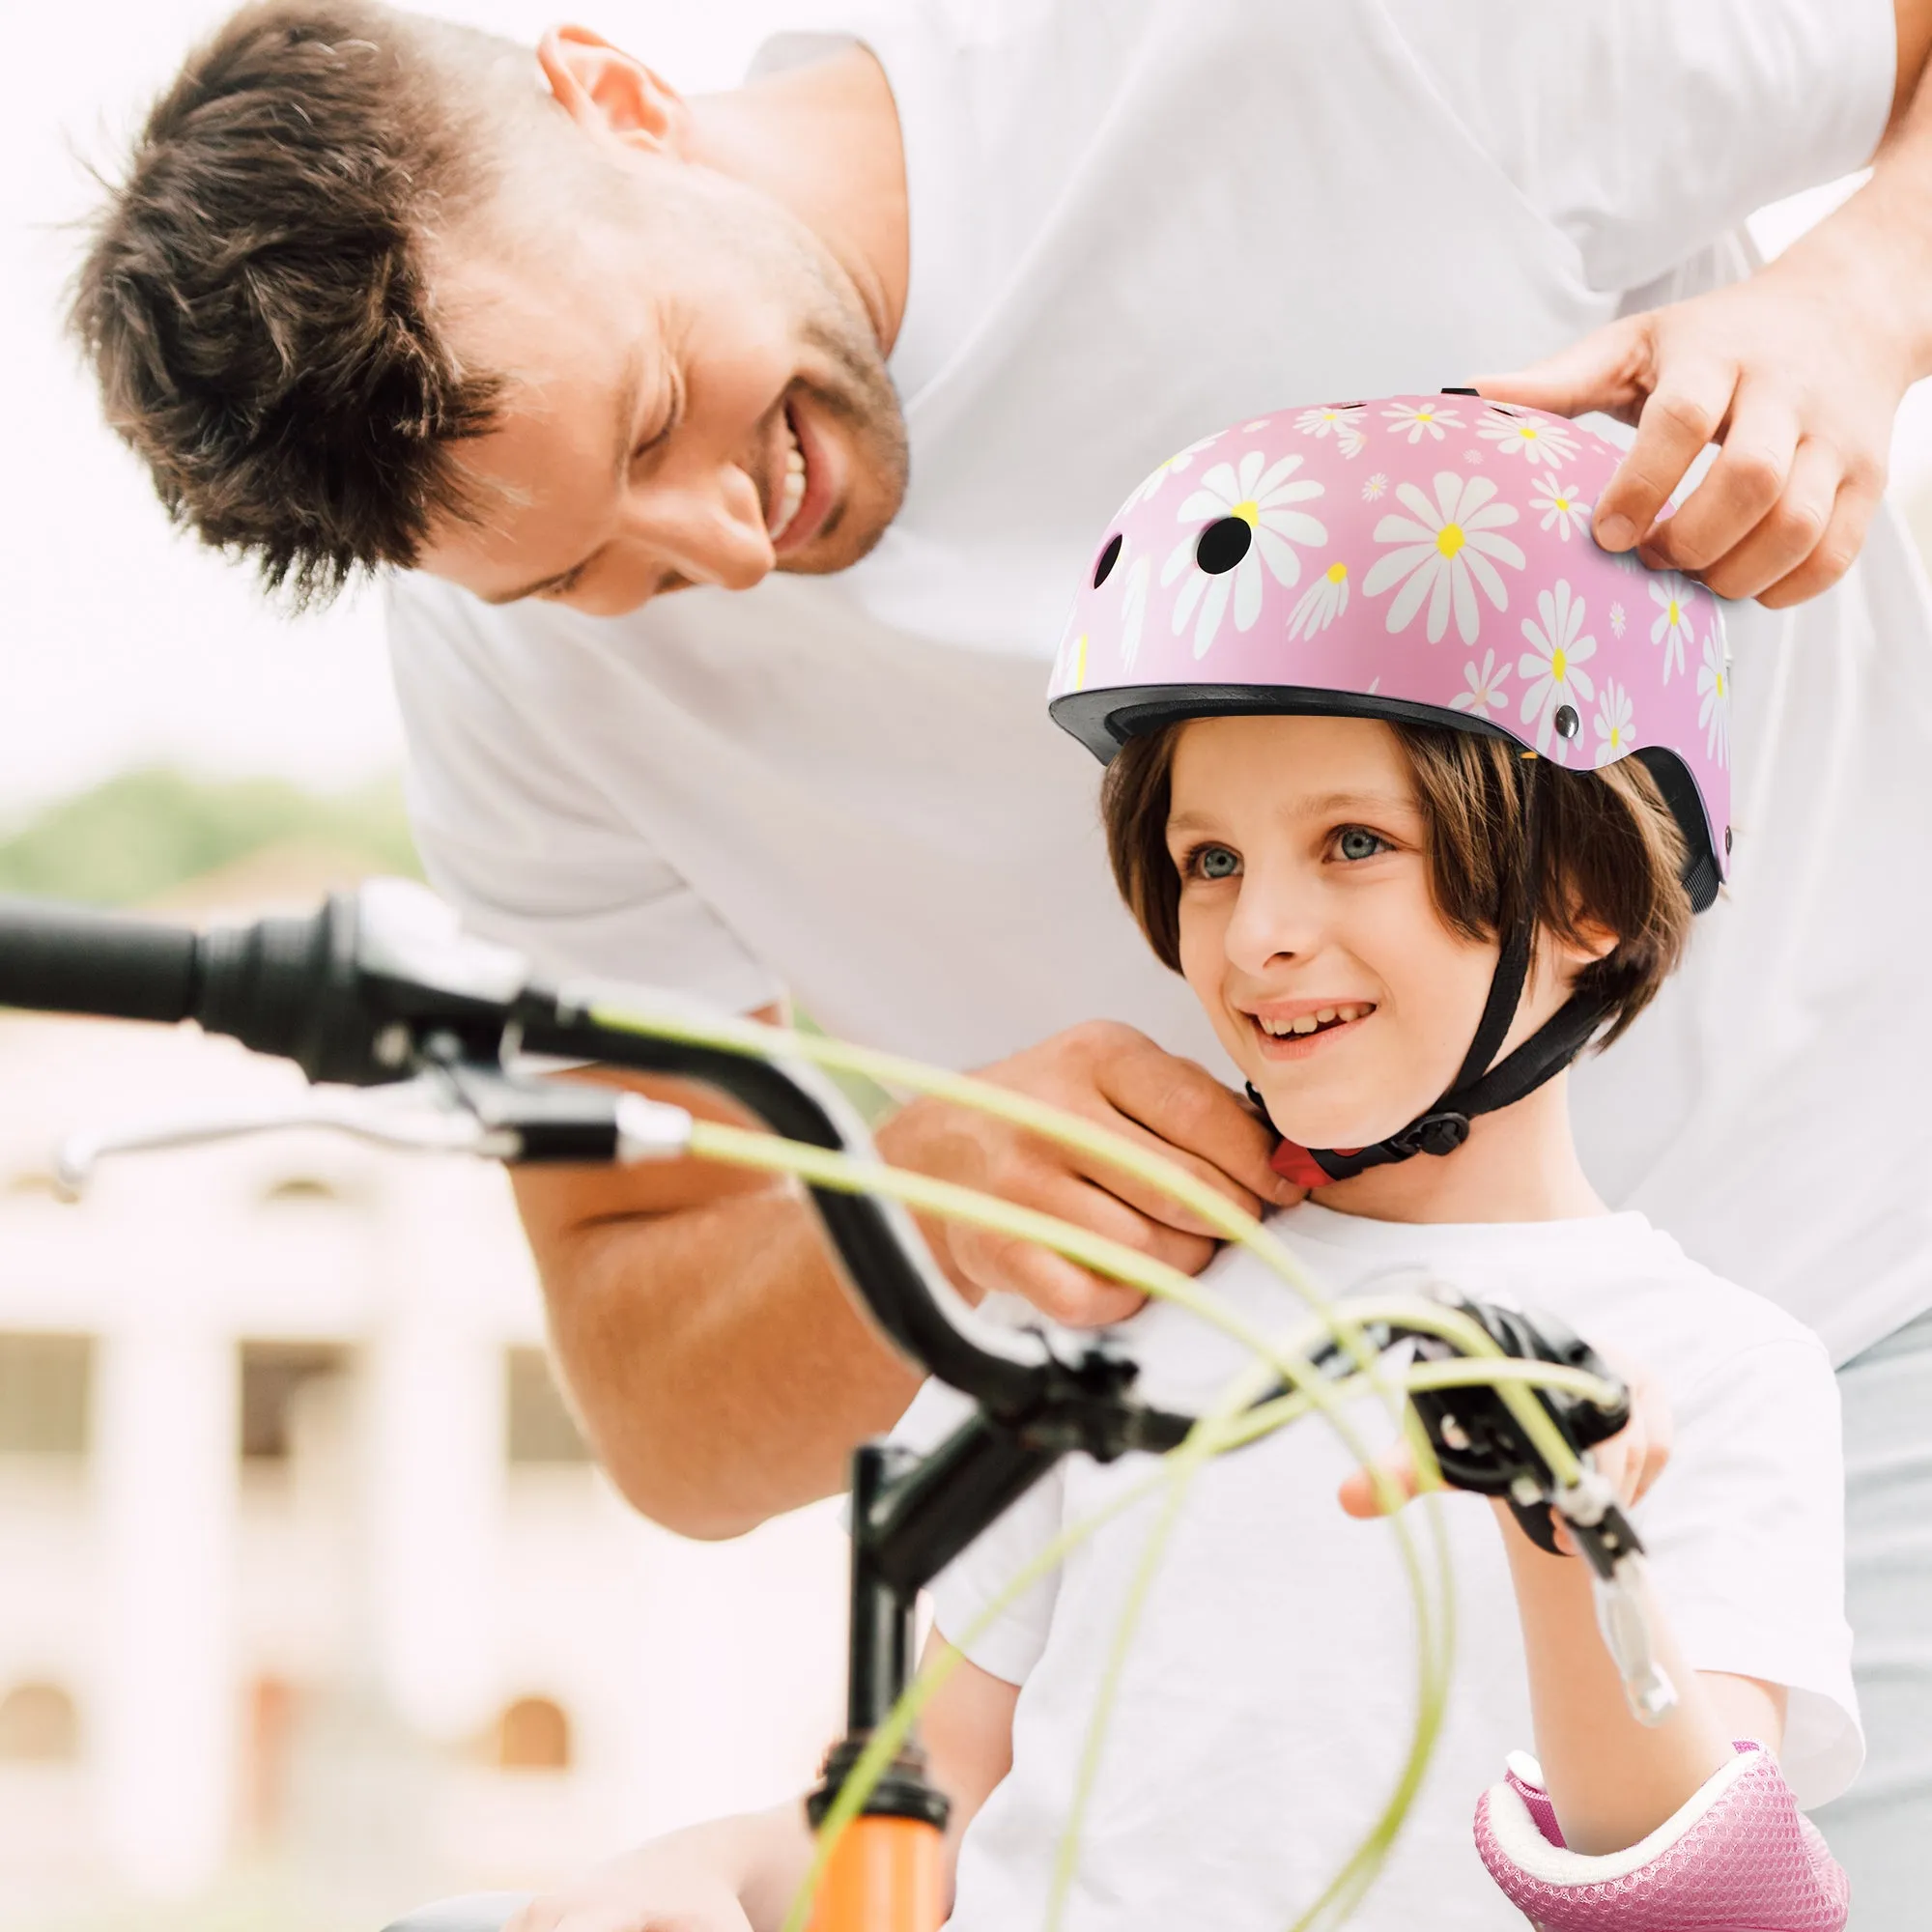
(1415, 420)
(1528, 437)
(1675, 600)
(1375, 488)
(1554, 665)
(1133, 610)
(1263, 495)
(1322, 603)
(1483, 688)
(1341, 421)
(1616, 730)
(1149, 485)
(1714, 699)
(1617, 619)
(1444, 553)
(1562, 505)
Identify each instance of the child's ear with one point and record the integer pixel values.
(605, 90)
(1588, 941)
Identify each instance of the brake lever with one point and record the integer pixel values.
(465, 1108)
(1480, 1446)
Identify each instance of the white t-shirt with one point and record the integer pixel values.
(1267, 1701)
(1128, 226)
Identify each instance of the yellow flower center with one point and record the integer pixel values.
(1424, 415)
(1449, 539)
(1558, 664)
(1670, 610)
(1249, 512)
(1720, 684)
(1080, 661)
(1527, 432)
(1338, 573)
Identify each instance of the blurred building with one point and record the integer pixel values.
(303, 1570)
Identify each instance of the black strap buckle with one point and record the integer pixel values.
(1438, 1133)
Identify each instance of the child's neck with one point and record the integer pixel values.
(1518, 1165)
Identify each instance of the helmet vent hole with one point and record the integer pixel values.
(1566, 722)
(1103, 567)
(1223, 543)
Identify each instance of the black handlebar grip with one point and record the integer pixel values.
(64, 959)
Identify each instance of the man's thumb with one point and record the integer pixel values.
(1603, 371)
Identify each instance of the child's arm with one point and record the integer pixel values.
(741, 1874)
(1611, 1779)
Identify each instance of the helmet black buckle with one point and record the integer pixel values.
(1435, 1133)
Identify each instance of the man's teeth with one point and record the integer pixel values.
(792, 494)
(1309, 1022)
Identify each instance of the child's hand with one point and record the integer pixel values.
(654, 1890)
(1631, 1460)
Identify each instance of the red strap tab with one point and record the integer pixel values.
(1296, 1164)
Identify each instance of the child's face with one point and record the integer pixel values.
(1305, 902)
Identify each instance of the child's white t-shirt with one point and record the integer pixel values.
(1268, 1699)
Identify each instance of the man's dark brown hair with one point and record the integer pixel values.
(254, 299)
(1608, 853)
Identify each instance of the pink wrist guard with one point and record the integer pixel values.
(1739, 1857)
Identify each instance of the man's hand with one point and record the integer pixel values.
(1120, 1079)
(1798, 372)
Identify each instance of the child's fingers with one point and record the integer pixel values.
(1362, 1496)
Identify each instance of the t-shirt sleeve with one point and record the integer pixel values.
(1746, 1540)
(1003, 1638)
(514, 835)
(1646, 129)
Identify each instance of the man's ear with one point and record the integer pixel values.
(605, 90)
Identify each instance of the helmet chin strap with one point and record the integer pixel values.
(1478, 1088)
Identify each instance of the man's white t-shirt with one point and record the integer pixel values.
(1131, 224)
(1268, 1698)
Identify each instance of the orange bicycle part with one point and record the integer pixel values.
(886, 1875)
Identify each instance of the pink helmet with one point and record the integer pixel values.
(1419, 557)
(1425, 559)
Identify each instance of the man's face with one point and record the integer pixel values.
(694, 395)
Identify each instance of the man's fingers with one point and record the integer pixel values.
(1749, 481)
(1684, 413)
(1606, 370)
(1184, 1107)
(1785, 537)
(1837, 550)
(1060, 1289)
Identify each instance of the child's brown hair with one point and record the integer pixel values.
(1608, 853)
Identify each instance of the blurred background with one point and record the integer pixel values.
(311, 1605)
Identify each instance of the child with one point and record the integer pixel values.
(1403, 925)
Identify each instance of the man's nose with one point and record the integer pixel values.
(708, 528)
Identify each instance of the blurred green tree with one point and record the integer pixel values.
(146, 831)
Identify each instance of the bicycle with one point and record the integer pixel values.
(378, 994)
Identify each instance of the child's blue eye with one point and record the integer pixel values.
(1217, 862)
(1357, 841)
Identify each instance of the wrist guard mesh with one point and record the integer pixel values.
(1738, 1857)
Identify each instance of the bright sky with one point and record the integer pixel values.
(121, 643)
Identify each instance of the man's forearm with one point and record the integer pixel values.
(720, 1367)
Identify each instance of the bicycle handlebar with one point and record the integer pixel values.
(66, 959)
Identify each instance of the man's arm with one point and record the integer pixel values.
(720, 1369)
(1798, 372)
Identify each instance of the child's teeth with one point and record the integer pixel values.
(1326, 1015)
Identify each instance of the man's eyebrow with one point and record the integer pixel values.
(629, 387)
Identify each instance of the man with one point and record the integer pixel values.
(878, 342)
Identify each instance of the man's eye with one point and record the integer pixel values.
(1357, 841)
(1215, 862)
